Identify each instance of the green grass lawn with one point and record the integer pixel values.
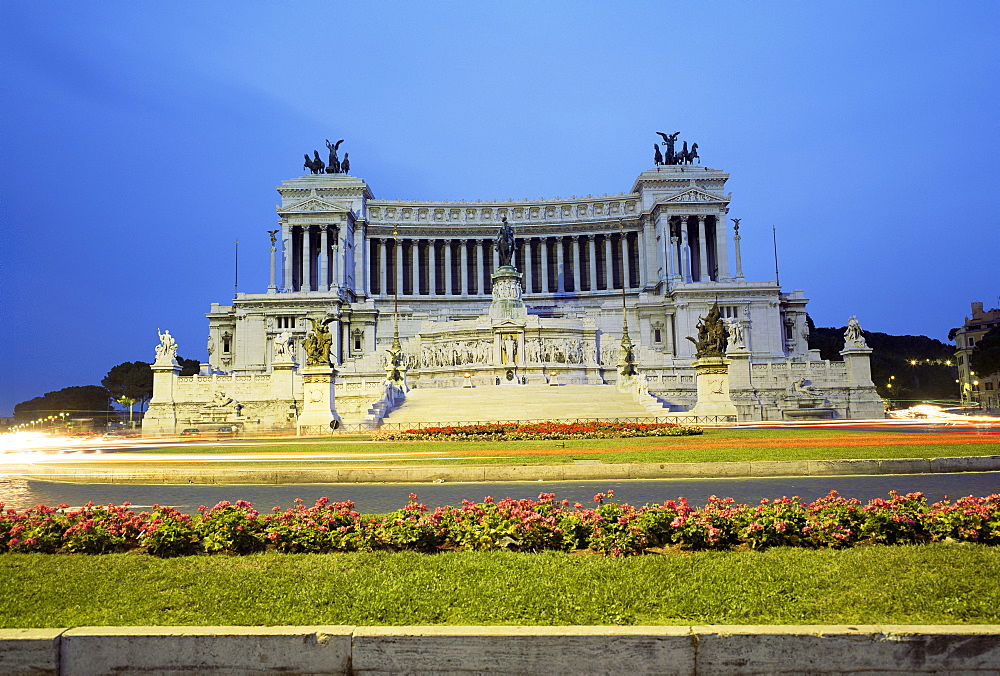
(716, 445)
(918, 584)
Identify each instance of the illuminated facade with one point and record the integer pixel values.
(977, 388)
(665, 250)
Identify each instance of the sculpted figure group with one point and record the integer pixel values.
(317, 344)
(671, 156)
(711, 341)
(334, 165)
(853, 335)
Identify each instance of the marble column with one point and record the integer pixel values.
(576, 263)
(287, 261)
(704, 273)
(591, 263)
(685, 251)
(305, 276)
(397, 264)
(609, 267)
(415, 265)
(640, 243)
(432, 260)
(626, 262)
(721, 250)
(543, 263)
(335, 255)
(383, 268)
(323, 279)
(448, 273)
(528, 276)
(670, 255)
(479, 266)
(464, 267)
(662, 257)
(560, 269)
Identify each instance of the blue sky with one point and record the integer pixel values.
(140, 140)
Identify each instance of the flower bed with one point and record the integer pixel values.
(517, 525)
(542, 430)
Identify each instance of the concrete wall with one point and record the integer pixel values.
(702, 650)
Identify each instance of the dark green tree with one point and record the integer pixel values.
(130, 381)
(189, 367)
(82, 401)
(985, 357)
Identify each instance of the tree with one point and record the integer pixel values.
(82, 401)
(130, 381)
(985, 357)
(189, 367)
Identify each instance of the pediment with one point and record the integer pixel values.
(313, 205)
(688, 195)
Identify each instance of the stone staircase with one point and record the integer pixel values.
(520, 402)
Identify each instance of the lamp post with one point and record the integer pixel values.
(626, 367)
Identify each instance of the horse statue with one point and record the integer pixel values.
(314, 165)
(657, 155)
(692, 154)
(505, 243)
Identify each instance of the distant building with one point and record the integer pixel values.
(977, 388)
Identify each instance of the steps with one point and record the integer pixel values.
(518, 402)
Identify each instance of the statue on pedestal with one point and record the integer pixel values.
(318, 343)
(735, 330)
(505, 242)
(711, 341)
(167, 349)
(282, 343)
(853, 336)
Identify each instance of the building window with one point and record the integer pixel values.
(729, 311)
(657, 337)
(989, 384)
(227, 342)
(287, 322)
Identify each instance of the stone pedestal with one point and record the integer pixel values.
(739, 368)
(318, 405)
(863, 399)
(712, 378)
(161, 416)
(283, 392)
(507, 303)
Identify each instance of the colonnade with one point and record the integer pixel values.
(312, 260)
(560, 264)
(694, 249)
(691, 248)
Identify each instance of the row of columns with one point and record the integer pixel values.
(693, 249)
(312, 261)
(464, 266)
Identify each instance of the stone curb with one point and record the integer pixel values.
(681, 650)
(487, 473)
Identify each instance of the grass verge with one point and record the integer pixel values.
(716, 445)
(914, 584)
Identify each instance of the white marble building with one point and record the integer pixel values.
(343, 254)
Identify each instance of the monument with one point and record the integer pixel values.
(319, 413)
(597, 290)
(712, 368)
